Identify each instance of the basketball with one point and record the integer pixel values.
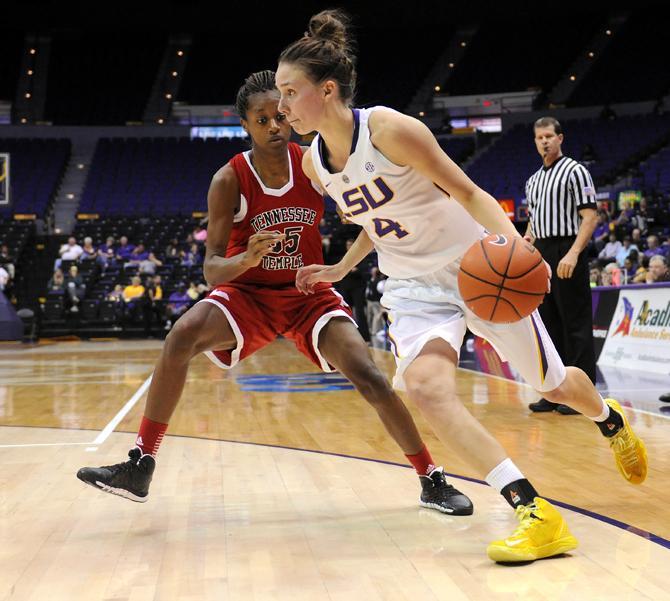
(502, 280)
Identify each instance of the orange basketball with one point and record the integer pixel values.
(502, 280)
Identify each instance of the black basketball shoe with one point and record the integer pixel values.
(130, 479)
(437, 494)
(542, 406)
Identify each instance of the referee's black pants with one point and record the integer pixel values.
(566, 310)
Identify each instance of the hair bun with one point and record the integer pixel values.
(330, 26)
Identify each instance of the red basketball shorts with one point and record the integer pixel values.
(258, 315)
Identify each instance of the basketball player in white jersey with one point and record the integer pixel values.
(421, 213)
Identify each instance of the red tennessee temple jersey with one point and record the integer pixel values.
(295, 210)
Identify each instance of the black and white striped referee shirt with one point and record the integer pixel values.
(555, 196)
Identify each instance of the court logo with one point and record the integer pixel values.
(623, 327)
(310, 382)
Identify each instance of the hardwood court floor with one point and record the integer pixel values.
(254, 521)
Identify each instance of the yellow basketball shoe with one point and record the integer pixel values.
(629, 451)
(542, 533)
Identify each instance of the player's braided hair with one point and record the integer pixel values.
(326, 51)
(261, 81)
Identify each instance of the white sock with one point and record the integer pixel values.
(503, 474)
(604, 414)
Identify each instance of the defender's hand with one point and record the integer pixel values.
(310, 275)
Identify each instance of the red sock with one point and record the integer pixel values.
(422, 462)
(150, 436)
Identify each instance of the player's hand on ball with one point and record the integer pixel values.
(260, 244)
(310, 275)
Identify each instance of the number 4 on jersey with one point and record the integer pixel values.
(384, 227)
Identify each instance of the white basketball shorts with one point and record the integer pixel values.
(430, 306)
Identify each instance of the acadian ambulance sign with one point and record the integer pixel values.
(639, 335)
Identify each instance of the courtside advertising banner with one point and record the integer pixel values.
(639, 335)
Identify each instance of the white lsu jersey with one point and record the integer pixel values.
(415, 226)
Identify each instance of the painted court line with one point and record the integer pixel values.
(109, 428)
(524, 385)
(42, 444)
(104, 433)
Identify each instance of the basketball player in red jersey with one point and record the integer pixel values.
(263, 225)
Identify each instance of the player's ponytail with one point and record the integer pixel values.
(326, 51)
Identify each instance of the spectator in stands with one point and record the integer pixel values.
(149, 305)
(611, 275)
(149, 265)
(665, 246)
(199, 234)
(594, 276)
(636, 239)
(7, 261)
(178, 302)
(626, 248)
(604, 208)
(106, 254)
(76, 289)
(138, 254)
(71, 251)
(4, 278)
(56, 285)
(193, 292)
(373, 294)
(624, 219)
(601, 233)
(158, 287)
(653, 247)
(116, 295)
(189, 240)
(640, 276)
(610, 250)
(107, 247)
(132, 295)
(203, 290)
(326, 238)
(658, 270)
(628, 269)
(172, 251)
(192, 256)
(124, 250)
(88, 250)
(91, 254)
(134, 290)
(640, 217)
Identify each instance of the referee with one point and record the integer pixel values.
(562, 216)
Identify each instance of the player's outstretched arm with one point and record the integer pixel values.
(310, 275)
(222, 201)
(406, 141)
